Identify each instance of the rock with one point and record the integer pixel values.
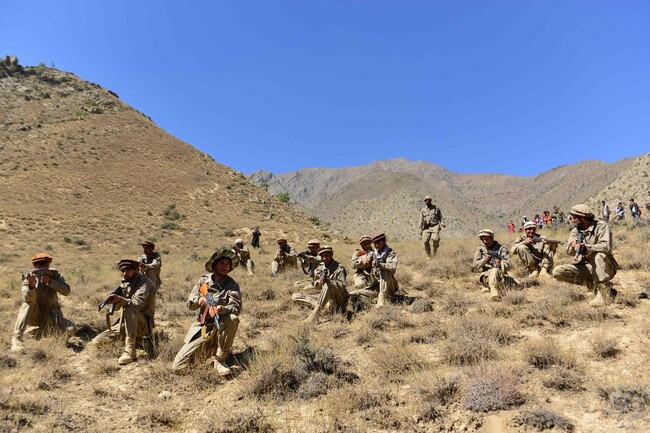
(165, 395)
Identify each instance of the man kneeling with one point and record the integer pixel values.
(329, 284)
(219, 299)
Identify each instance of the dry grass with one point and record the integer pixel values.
(543, 419)
(491, 387)
(604, 346)
(545, 354)
(475, 339)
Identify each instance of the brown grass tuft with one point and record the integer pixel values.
(544, 354)
(490, 388)
(543, 419)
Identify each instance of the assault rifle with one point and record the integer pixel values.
(579, 245)
(211, 308)
(38, 274)
(304, 264)
(119, 291)
(325, 276)
(547, 240)
(496, 256)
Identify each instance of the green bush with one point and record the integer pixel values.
(283, 197)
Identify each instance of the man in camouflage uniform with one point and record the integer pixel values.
(430, 224)
(309, 261)
(365, 284)
(150, 263)
(590, 242)
(213, 332)
(535, 252)
(494, 270)
(41, 309)
(285, 257)
(137, 303)
(244, 256)
(329, 285)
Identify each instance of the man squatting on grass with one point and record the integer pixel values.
(204, 336)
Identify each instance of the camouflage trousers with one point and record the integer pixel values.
(597, 268)
(132, 323)
(496, 282)
(323, 293)
(533, 258)
(432, 234)
(217, 343)
(32, 320)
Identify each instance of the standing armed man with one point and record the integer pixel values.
(150, 263)
(430, 224)
(40, 309)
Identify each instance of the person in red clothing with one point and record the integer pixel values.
(511, 227)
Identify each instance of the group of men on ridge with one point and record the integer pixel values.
(217, 296)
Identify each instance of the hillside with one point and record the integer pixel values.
(634, 182)
(81, 170)
(387, 195)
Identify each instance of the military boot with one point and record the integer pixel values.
(129, 355)
(605, 295)
(222, 369)
(381, 300)
(544, 273)
(534, 271)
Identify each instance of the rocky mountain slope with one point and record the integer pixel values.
(387, 195)
(80, 169)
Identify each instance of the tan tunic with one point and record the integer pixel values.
(430, 217)
(140, 294)
(46, 296)
(481, 252)
(152, 264)
(597, 238)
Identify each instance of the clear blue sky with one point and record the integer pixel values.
(512, 87)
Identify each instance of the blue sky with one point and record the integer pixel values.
(511, 87)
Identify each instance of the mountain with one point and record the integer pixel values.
(387, 195)
(80, 169)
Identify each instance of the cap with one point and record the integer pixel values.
(127, 263)
(239, 241)
(364, 238)
(41, 257)
(313, 242)
(148, 244)
(379, 237)
(223, 252)
(326, 249)
(485, 232)
(581, 210)
(530, 224)
(282, 241)
(427, 197)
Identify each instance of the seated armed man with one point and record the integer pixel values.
(492, 261)
(309, 261)
(244, 256)
(150, 263)
(365, 283)
(285, 257)
(136, 299)
(329, 286)
(384, 264)
(590, 242)
(218, 298)
(535, 252)
(40, 309)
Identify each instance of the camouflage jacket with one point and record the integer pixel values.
(478, 265)
(46, 296)
(152, 264)
(226, 292)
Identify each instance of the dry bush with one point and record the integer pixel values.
(544, 354)
(514, 297)
(564, 379)
(159, 417)
(396, 359)
(543, 419)
(475, 339)
(431, 333)
(388, 318)
(7, 361)
(421, 306)
(490, 388)
(604, 346)
(248, 421)
(551, 309)
(456, 303)
(442, 391)
(365, 336)
(627, 398)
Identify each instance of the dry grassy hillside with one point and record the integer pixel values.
(447, 360)
(634, 183)
(469, 201)
(80, 169)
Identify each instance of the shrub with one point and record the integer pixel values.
(283, 197)
(171, 214)
(474, 339)
(604, 346)
(563, 379)
(627, 398)
(545, 354)
(543, 419)
(421, 306)
(243, 422)
(490, 388)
